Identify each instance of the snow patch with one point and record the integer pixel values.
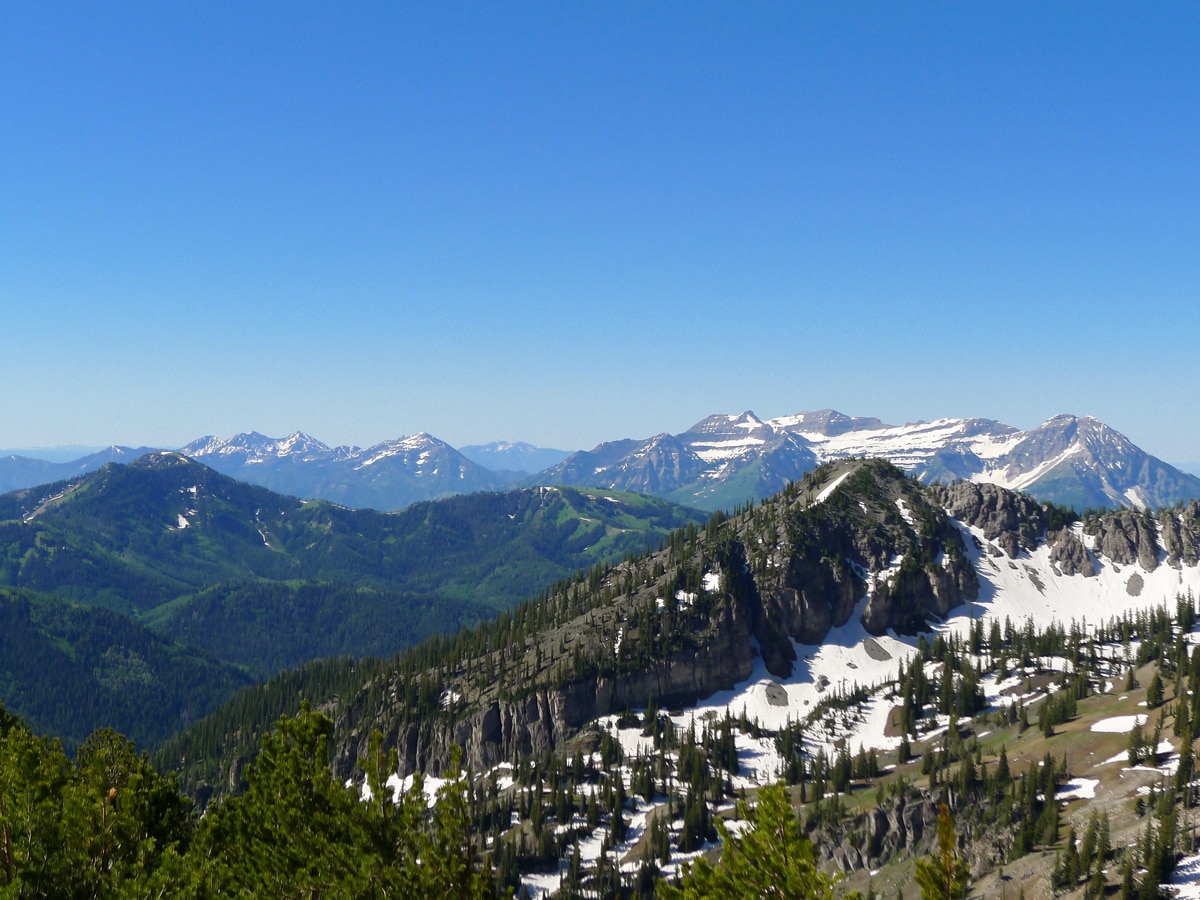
(1119, 724)
(830, 488)
(1078, 789)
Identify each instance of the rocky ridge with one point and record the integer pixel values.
(680, 624)
(853, 538)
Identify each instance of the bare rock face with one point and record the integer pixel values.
(953, 584)
(1126, 537)
(1069, 556)
(1181, 534)
(903, 603)
(813, 598)
(901, 827)
(495, 730)
(1013, 521)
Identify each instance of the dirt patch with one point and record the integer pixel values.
(895, 722)
(1035, 683)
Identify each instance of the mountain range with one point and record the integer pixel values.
(719, 462)
(723, 460)
(856, 609)
(386, 476)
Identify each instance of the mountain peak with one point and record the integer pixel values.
(828, 422)
(256, 445)
(729, 426)
(161, 458)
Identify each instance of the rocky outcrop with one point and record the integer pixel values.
(1126, 537)
(1069, 556)
(1180, 530)
(891, 831)
(905, 602)
(1012, 521)
(839, 550)
(495, 730)
(906, 827)
(813, 598)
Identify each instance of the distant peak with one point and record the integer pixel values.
(159, 459)
(829, 422)
(725, 423)
(1066, 420)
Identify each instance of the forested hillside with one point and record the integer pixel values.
(235, 583)
(73, 669)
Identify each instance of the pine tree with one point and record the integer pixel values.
(772, 858)
(944, 875)
(1087, 849)
(1103, 841)
(1154, 692)
(1002, 774)
(1127, 887)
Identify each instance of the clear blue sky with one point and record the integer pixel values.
(571, 222)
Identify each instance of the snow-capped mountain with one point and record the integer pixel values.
(513, 456)
(254, 447)
(386, 476)
(719, 462)
(723, 459)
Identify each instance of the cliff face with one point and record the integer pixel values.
(1127, 537)
(495, 729)
(1181, 535)
(1069, 556)
(1012, 521)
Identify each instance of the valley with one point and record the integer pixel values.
(164, 572)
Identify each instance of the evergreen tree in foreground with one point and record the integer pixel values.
(944, 875)
(771, 859)
(108, 826)
(298, 832)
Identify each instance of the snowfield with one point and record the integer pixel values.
(1027, 587)
(1186, 878)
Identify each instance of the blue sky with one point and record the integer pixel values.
(568, 222)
